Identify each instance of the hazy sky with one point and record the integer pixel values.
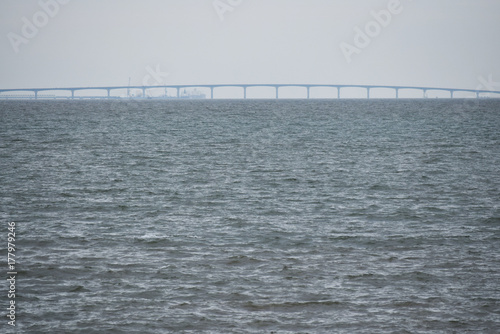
(61, 43)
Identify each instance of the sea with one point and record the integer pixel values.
(251, 216)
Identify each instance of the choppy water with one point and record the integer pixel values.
(253, 216)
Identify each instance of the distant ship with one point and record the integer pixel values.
(184, 94)
(194, 94)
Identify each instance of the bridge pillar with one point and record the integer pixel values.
(144, 92)
(277, 92)
(368, 92)
(36, 95)
(397, 93)
(338, 92)
(212, 93)
(178, 92)
(244, 92)
(109, 92)
(425, 93)
(308, 92)
(72, 94)
(451, 93)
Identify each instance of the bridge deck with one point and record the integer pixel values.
(212, 87)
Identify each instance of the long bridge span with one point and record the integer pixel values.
(36, 92)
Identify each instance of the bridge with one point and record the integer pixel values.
(7, 93)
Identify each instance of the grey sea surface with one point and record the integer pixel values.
(256, 216)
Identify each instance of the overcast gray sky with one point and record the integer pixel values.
(62, 43)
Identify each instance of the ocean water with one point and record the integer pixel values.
(256, 216)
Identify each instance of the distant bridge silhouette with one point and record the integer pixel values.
(178, 88)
